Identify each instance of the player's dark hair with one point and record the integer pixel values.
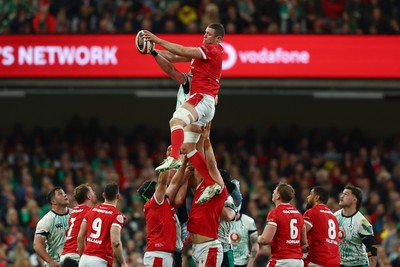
(356, 191)
(80, 193)
(322, 193)
(147, 189)
(52, 193)
(227, 180)
(219, 29)
(111, 191)
(286, 192)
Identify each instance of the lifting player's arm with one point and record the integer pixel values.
(210, 157)
(176, 192)
(161, 188)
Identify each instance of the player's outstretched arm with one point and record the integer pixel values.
(176, 183)
(115, 235)
(172, 57)
(168, 68)
(161, 188)
(177, 49)
(210, 157)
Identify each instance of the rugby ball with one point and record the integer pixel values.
(142, 45)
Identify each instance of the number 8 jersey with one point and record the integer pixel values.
(98, 240)
(323, 237)
(289, 223)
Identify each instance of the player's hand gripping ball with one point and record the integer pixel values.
(142, 45)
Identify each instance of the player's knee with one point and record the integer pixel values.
(181, 117)
(187, 147)
(175, 122)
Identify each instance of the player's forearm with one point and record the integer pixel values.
(372, 261)
(251, 261)
(80, 245)
(262, 241)
(209, 152)
(174, 48)
(171, 57)
(117, 248)
(253, 255)
(41, 251)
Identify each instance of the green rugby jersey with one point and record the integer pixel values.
(53, 227)
(352, 231)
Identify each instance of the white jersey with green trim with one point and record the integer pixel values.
(53, 227)
(352, 231)
(183, 91)
(242, 230)
(224, 228)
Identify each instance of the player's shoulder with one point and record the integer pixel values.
(212, 48)
(47, 218)
(247, 219)
(360, 218)
(338, 213)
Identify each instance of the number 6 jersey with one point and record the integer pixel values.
(286, 243)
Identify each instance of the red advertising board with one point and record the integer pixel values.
(246, 56)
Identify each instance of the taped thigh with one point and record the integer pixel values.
(184, 115)
(191, 137)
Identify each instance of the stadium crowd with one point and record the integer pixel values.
(165, 16)
(31, 164)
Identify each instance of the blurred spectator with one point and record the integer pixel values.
(44, 22)
(211, 15)
(62, 23)
(241, 16)
(21, 23)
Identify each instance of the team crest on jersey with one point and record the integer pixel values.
(234, 237)
(120, 218)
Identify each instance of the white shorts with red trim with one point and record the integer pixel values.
(208, 254)
(205, 107)
(286, 263)
(311, 264)
(158, 259)
(90, 261)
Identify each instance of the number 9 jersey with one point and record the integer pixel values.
(99, 221)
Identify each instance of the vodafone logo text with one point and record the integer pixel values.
(58, 55)
(278, 55)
